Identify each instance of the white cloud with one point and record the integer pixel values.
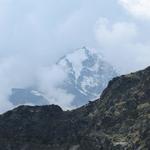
(139, 8)
(112, 34)
(121, 46)
(49, 80)
(15, 72)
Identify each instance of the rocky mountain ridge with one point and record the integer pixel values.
(119, 120)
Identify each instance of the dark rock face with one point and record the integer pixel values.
(119, 120)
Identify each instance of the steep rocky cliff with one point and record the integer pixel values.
(119, 120)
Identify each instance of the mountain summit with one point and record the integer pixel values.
(87, 75)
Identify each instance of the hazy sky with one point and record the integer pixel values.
(42, 31)
(35, 33)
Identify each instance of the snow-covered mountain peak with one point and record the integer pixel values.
(87, 73)
(78, 60)
(82, 75)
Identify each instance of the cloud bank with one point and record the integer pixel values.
(49, 80)
(138, 8)
(122, 38)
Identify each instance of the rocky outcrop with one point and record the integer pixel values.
(119, 120)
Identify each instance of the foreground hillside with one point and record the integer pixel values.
(119, 120)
